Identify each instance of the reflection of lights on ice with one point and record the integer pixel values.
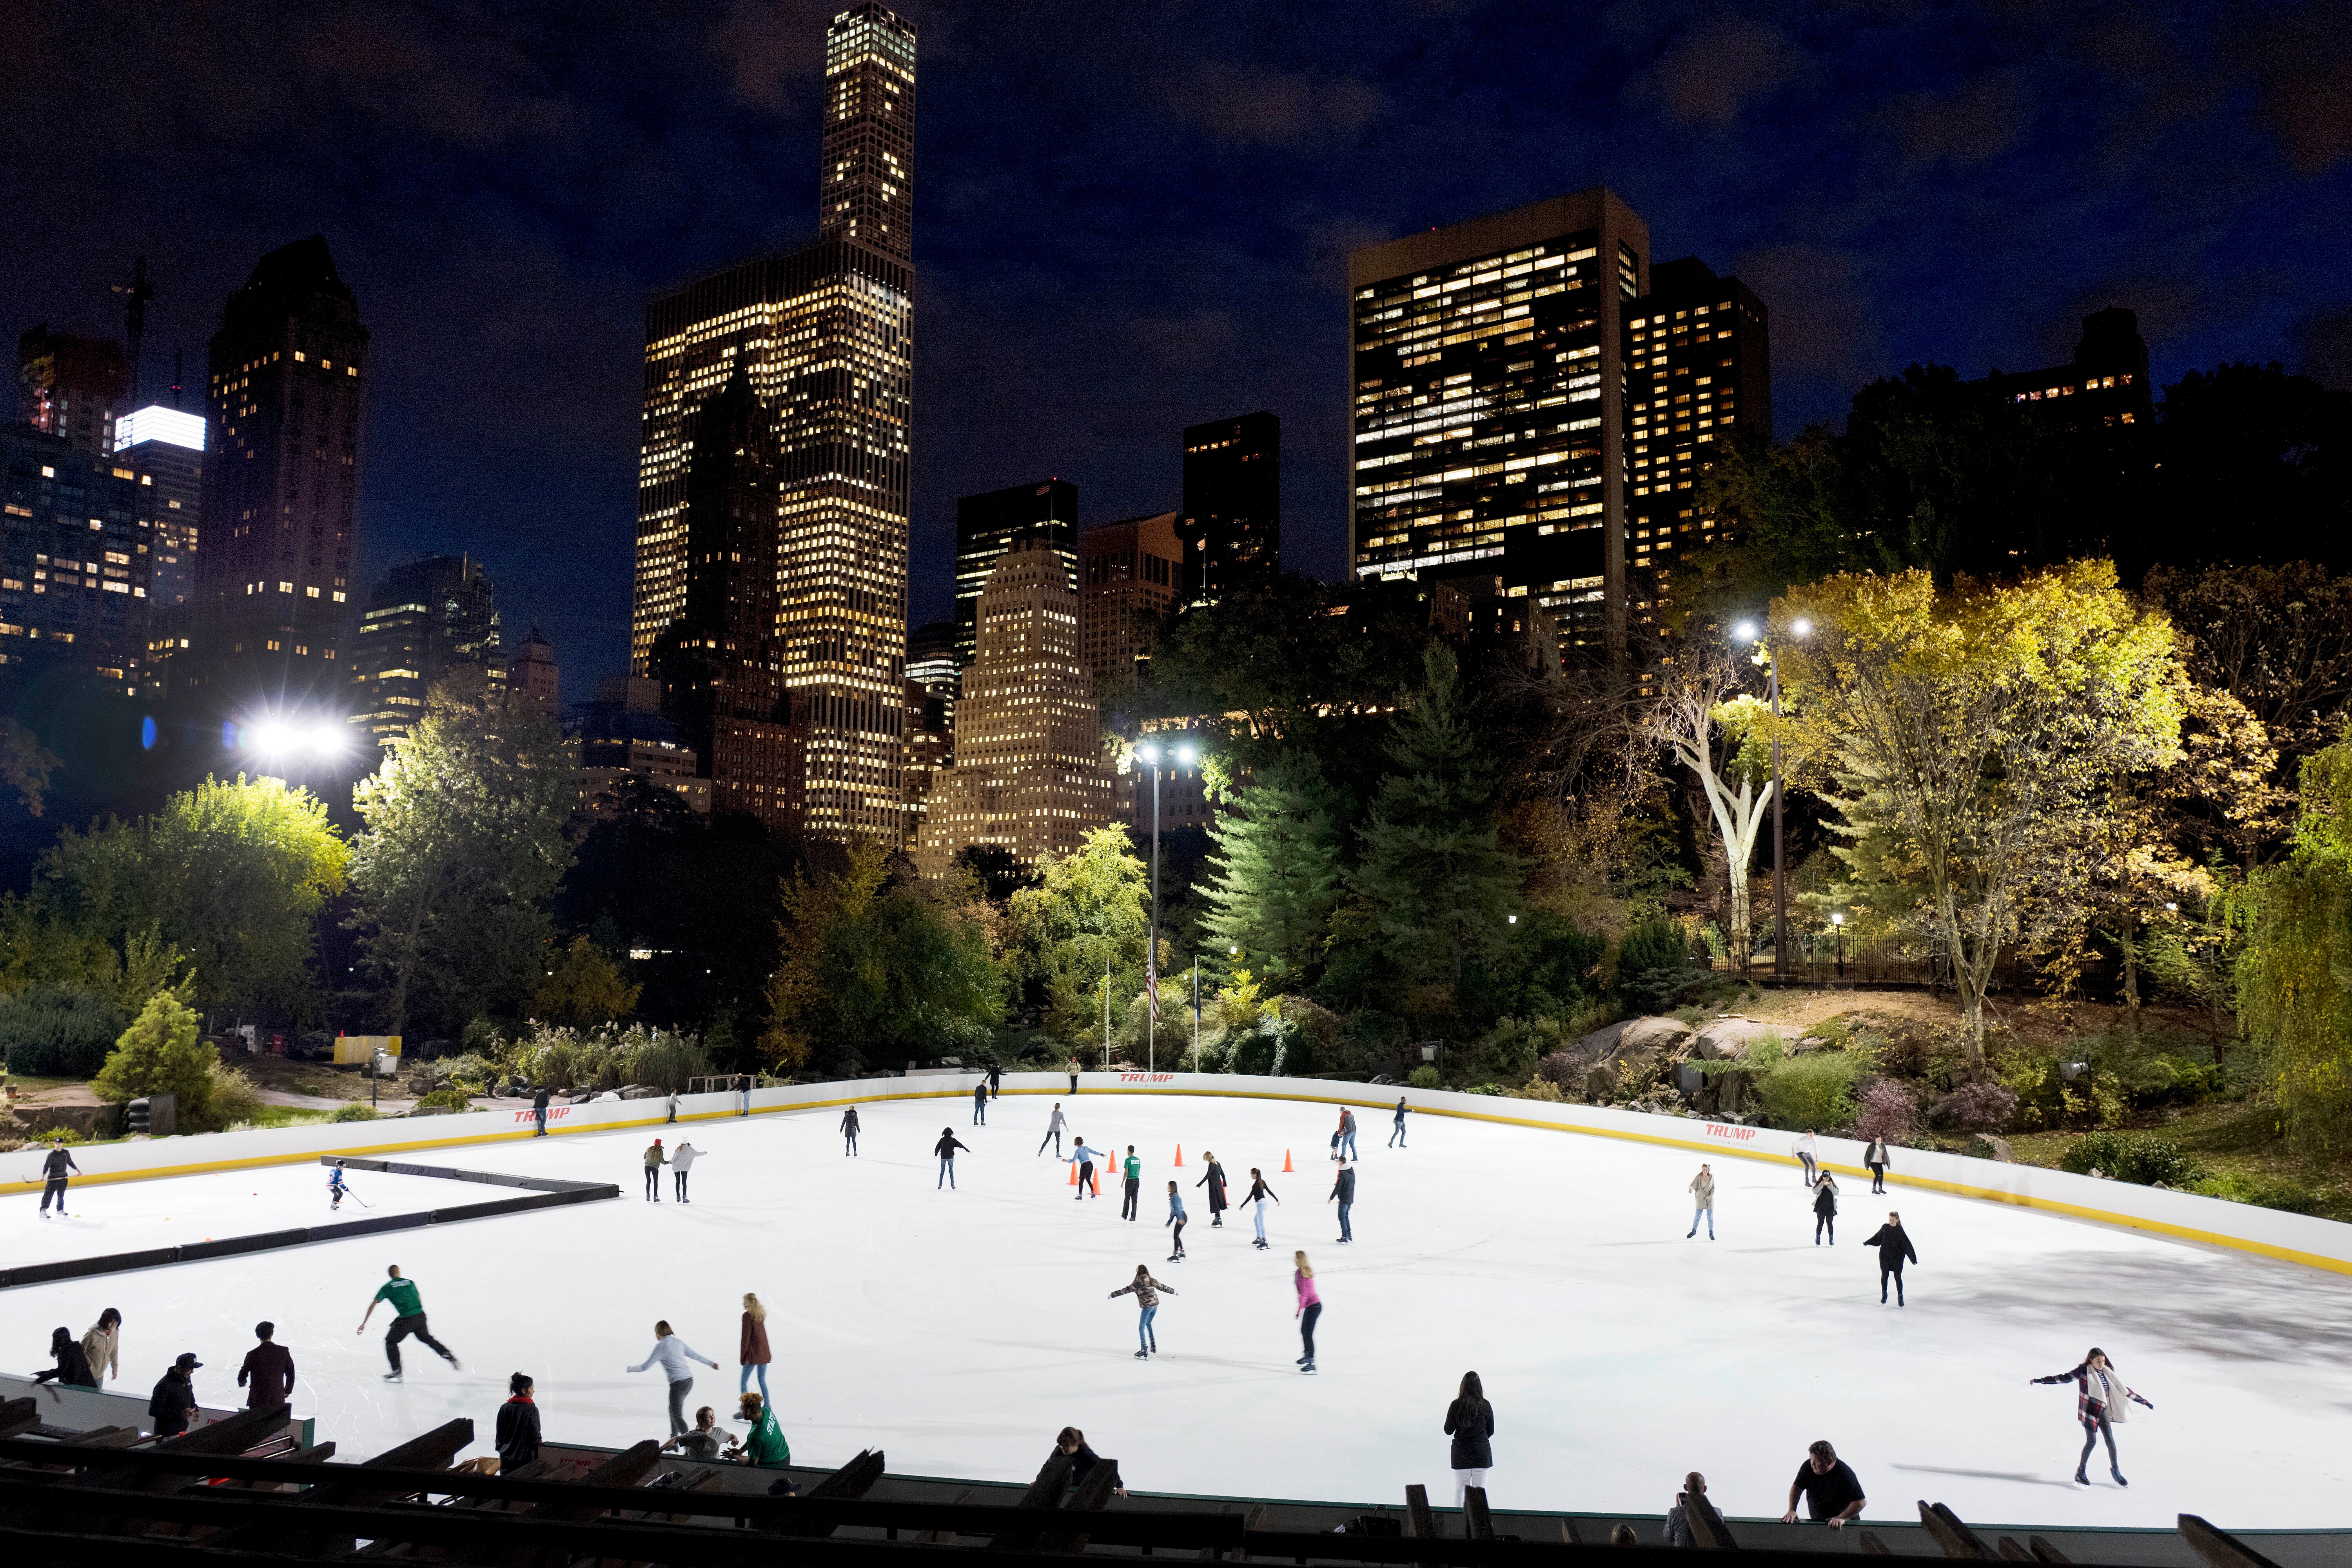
(961, 1330)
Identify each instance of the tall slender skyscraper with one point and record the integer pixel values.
(165, 447)
(281, 481)
(1231, 521)
(822, 335)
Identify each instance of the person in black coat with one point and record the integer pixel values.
(1470, 1421)
(1894, 1244)
(174, 1399)
(1825, 1209)
(268, 1370)
(849, 1131)
(72, 1370)
(1214, 1180)
(945, 1149)
(518, 1433)
(980, 1103)
(538, 1109)
(1343, 1193)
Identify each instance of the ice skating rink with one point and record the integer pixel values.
(959, 1330)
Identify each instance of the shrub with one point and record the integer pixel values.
(1512, 1048)
(1543, 1089)
(1422, 1076)
(1811, 1091)
(2267, 1192)
(159, 1054)
(442, 1100)
(1560, 1067)
(1654, 967)
(355, 1111)
(55, 1031)
(2133, 1157)
(1982, 1148)
(1975, 1108)
(231, 1098)
(1887, 1111)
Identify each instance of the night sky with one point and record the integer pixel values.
(1131, 218)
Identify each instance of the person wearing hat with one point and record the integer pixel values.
(267, 1372)
(654, 1161)
(174, 1399)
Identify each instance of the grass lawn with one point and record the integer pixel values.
(2234, 1137)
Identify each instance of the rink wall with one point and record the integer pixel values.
(2187, 1216)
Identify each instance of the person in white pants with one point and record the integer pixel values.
(1470, 1422)
(1808, 1155)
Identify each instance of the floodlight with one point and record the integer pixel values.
(1149, 752)
(1185, 755)
(1744, 630)
(1801, 627)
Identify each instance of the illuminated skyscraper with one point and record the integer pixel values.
(824, 335)
(1130, 574)
(1232, 519)
(74, 561)
(165, 447)
(988, 525)
(425, 619)
(71, 387)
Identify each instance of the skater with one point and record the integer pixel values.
(2100, 1402)
(753, 1351)
(1343, 1193)
(1808, 1154)
(742, 1094)
(1074, 1075)
(54, 1166)
(336, 1191)
(1053, 1125)
(763, 1444)
(1214, 1180)
(674, 1354)
(707, 1441)
(72, 1370)
(1256, 1203)
(538, 1109)
(268, 1371)
(1310, 1306)
(654, 1161)
(945, 1149)
(518, 1428)
(1396, 1139)
(1146, 1291)
(1678, 1530)
(173, 1402)
(1702, 1192)
(1894, 1244)
(996, 1080)
(407, 1318)
(980, 1103)
(1347, 1133)
(1176, 1218)
(680, 1164)
(849, 1132)
(103, 1343)
(1825, 1209)
(1833, 1492)
(1470, 1422)
(1084, 1158)
(1875, 1158)
(1132, 1199)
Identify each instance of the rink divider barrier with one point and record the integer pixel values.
(2189, 1216)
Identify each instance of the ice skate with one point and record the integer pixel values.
(394, 1377)
(1142, 1355)
(1308, 1367)
(2119, 1478)
(2081, 1480)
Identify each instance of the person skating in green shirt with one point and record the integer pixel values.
(407, 1318)
(1133, 1170)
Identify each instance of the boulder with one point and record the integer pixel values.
(1728, 1037)
(1636, 1040)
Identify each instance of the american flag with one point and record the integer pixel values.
(1152, 983)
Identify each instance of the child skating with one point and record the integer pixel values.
(1256, 1203)
(1176, 1218)
(1084, 1158)
(1310, 1306)
(336, 1191)
(1146, 1291)
(2100, 1402)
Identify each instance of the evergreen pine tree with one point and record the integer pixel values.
(1273, 868)
(1435, 882)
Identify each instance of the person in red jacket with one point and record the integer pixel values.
(267, 1373)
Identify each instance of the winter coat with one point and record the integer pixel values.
(1894, 1244)
(1471, 1423)
(753, 1349)
(517, 1437)
(980, 1089)
(1343, 1187)
(1145, 1290)
(1876, 1153)
(174, 1401)
(1347, 1122)
(1057, 1122)
(104, 1349)
(2097, 1393)
(849, 1123)
(676, 1357)
(269, 1370)
(72, 1370)
(55, 1165)
(1702, 1188)
(1214, 1180)
(1825, 1200)
(686, 1157)
(947, 1146)
(655, 1158)
(538, 1101)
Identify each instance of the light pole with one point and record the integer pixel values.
(1799, 628)
(1837, 925)
(1150, 752)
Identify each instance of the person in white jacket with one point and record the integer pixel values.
(680, 1164)
(1808, 1155)
(674, 1354)
(1702, 1192)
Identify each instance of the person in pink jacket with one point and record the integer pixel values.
(1310, 1307)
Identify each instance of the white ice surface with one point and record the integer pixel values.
(959, 1331)
(131, 1216)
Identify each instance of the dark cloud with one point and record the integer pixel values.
(1979, 121)
(1711, 74)
(1244, 107)
(2323, 347)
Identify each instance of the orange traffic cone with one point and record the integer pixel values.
(1180, 1155)
(1286, 1161)
(1074, 1172)
(1097, 1183)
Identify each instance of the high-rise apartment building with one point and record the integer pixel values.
(1129, 574)
(71, 387)
(533, 670)
(284, 396)
(1698, 369)
(425, 619)
(165, 448)
(2105, 388)
(74, 559)
(1045, 511)
(822, 335)
(1028, 771)
(1231, 523)
(628, 749)
(931, 661)
(1486, 369)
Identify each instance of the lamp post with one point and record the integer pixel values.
(1799, 628)
(1837, 926)
(1150, 752)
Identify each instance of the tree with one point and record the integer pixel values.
(232, 875)
(582, 986)
(1273, 868)
(464, 845)
(2257, 467)
(1969, 739)
(159, 1054)
(1695, 700)
(1435, 885)
(1079, 937)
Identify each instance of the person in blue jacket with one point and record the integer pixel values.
(1084, 1158)
(1176, 1218)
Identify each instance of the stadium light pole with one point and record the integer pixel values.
(1182, 755)
(1799, 628)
